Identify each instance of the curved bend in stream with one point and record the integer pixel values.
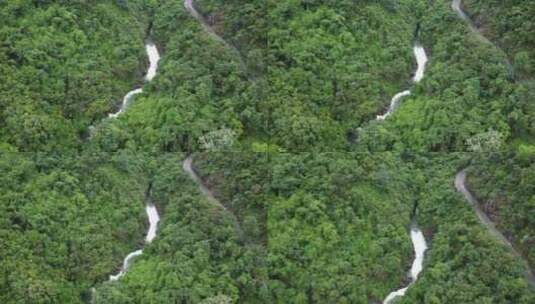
(421, 60)
(154, 57)
(420, 246)
(154, 218)
(417, 237)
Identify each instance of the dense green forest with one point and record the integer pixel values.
(504, 183)
(66, 221)
(509, 24)
(465, 264)
(302, 195)
(65, 65)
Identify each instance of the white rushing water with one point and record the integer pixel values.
(126, 263)
(126, 100)
(154, 58)
(154, 218)
(421, 60)
(150, 209)
(394, 104)
(420, 246)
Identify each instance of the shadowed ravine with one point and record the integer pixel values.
(460, 185)
(456, 5)
(190, 7)
(460, 178)
(187, 165)
(416, 235)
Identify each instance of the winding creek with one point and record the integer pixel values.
(420, 246)
(152, 212)
(154, 218)
(421, 60)
(417, 237)
(150, 208)
(154, 58)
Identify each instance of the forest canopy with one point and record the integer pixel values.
(296, 192)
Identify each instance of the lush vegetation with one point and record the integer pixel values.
(64, 66)
(467, 92)
(313, 230)
(330, 68)
(465, 264)
(314, 197)
(504, 185)
(509, 24)
(67, 222)
(201, 88)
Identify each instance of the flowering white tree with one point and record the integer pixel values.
(219, 299)
(218, 140)
(491, 140)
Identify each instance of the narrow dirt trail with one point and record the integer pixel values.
(460, 185)
(456, 5)
(190, 7)
(187, 165)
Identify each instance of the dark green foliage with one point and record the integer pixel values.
(63, 67)
(510, 24)
(313, 196)
(465, 263)
(67, 222)
(504, 185)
